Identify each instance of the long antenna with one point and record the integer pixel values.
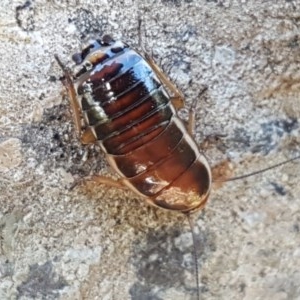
(259, 171)
(191, 223)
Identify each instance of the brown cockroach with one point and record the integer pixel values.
(122, 98)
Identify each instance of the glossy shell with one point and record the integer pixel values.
(133, 120)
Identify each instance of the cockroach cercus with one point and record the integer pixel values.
(122, 98)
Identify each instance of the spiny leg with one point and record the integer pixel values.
(100, 179)
(88, 137)
(192, 120)
(68, 83)
(192, 113)
(177, 98)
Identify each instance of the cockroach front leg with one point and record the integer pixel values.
(87, 136)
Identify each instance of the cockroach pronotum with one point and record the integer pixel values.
(123, 100)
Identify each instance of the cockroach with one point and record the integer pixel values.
(122, 98)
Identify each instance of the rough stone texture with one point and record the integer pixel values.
(95, 242)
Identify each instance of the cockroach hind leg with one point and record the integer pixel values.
(116, 183)
(100, 179)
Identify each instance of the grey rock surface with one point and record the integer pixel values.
(96, 242)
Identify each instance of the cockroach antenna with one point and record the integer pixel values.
(192, 227)
(257, 172)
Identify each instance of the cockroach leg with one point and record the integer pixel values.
(177, 102)
(177, 98)
(68, 83)
(214, 139)
(87, 136)
(192, 113)
(100, 179)
(191, 121)
(116, 183)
